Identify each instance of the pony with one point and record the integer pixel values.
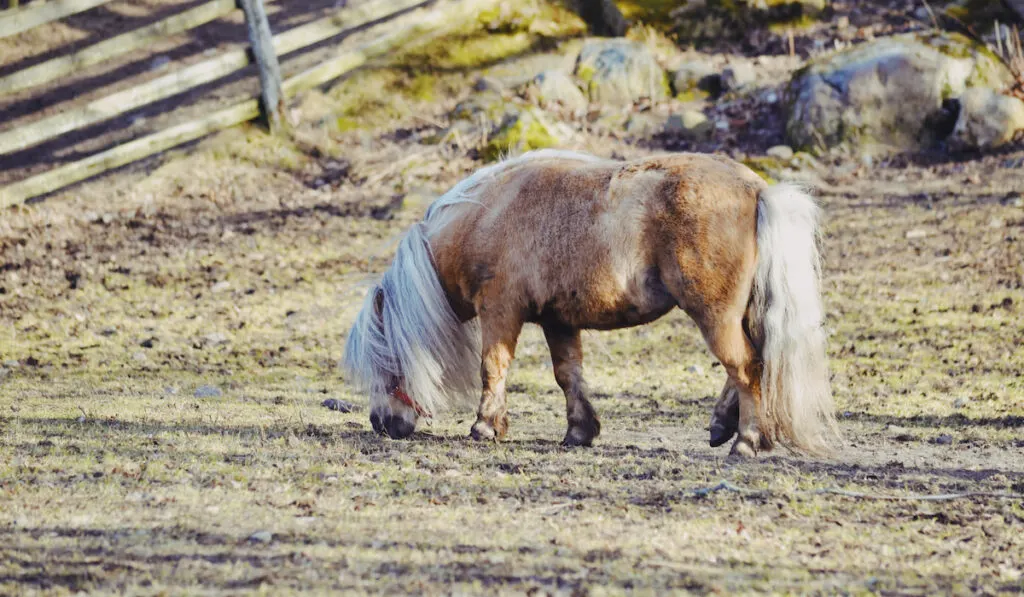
(570, 242)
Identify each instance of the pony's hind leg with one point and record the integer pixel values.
(567, 358)
(498, 348)
(729, 343)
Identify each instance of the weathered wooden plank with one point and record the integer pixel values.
(176, 82)
(262, 46)
(16, 20)
(115, 46)
(125, 154)
(431, 25)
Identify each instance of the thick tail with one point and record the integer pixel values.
(786, 324)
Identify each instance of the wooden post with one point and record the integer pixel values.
(261, 44)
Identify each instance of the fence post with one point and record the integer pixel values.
(262, 47)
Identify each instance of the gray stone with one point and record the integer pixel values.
(620, 72)
(690, 124)
(988, 118)
(888, 94)
(644, 124)
(553, 87)
(338, 405)
(208, 392)
(780, 152)
(695, 78)
(261, 537)
(737, 75)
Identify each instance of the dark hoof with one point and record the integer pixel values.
(391, 426)
(721, 434)
(482, 431)
(581, 435)
(723, 427)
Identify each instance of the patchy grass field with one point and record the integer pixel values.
(167, 338)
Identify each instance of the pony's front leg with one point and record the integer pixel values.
(567, 359)
(498, 348)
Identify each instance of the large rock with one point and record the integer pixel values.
(988, 119)
(620, 71)
(891, 94)
(553, 87)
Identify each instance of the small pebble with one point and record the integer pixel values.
(781, 152)
(207, 392)
(261, 537)
(697, 369)
(959, 403)
(944, 440)
(916, 233)
(338, 405)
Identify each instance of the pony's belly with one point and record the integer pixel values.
(630, 316)
(595, 309)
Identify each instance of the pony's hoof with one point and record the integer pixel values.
(581, 435)
(721, 433)
(482, 431)
(742, 450)
(577, 437)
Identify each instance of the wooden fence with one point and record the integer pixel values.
(264, 50)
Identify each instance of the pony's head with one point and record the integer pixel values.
(374, 365)
(407, 348)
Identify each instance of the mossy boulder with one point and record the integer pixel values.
(988, 119)
(893, 94)
(521, 132)
(554, 88)
(620, 72)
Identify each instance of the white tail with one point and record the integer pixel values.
(787, 322)
(407, 330)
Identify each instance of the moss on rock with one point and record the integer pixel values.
(519, 133)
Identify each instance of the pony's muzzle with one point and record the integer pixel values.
(395, 427)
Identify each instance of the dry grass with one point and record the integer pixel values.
(227, 268)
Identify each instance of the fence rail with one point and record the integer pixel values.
(264, 49)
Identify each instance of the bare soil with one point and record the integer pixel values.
(168, 334)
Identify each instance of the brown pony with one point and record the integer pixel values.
(571, 242)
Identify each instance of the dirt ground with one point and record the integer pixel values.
(168, 334)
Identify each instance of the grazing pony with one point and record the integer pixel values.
(571, 242)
